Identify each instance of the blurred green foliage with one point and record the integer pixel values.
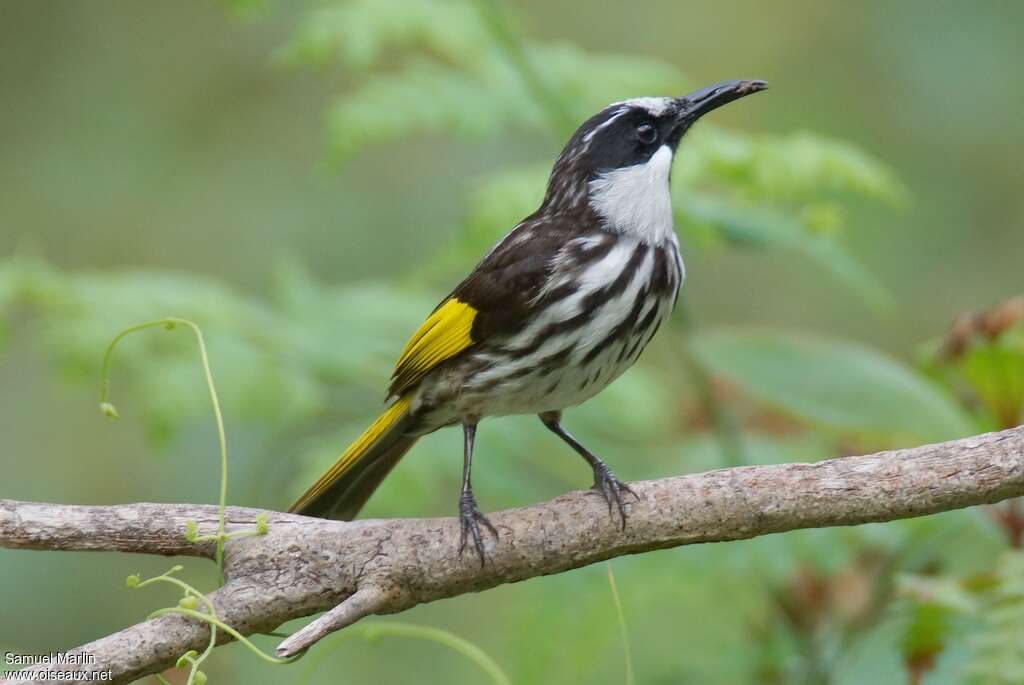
(434, 88)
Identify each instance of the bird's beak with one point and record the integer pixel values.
(698, 103)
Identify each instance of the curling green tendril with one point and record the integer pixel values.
(169, 323)
(188, 604)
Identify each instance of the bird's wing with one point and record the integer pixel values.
(494, 299)
(445, 333)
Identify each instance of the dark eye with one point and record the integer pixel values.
(646, 133)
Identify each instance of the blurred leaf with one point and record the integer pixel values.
(764, 227)
(499, 201)
(278, 360)
(244, 8)
(425, 96)
(348, 333)
(429, 98)
(995, 373)
(361, 33)
(589, 81)
(998, 652)
(831, 382)
(981, 358)
(790, 168)
(925, 637)
(424, 67)
(948, 594)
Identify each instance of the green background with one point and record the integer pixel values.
(152, 148)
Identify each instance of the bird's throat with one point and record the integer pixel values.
(635, 200)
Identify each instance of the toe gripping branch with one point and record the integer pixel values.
(612, 489)
(605, 483)
(470, 519)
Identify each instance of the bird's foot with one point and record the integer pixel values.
(612, 489)
(470, 518)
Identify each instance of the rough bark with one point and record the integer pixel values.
(304, 566)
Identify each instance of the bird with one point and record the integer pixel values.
(559, 308)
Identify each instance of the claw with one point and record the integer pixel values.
(612, 490)
(470, 519)
(605, 482)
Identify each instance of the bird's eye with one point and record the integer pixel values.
(646, 133)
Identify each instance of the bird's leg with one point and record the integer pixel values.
(611, 488)
(470, 517)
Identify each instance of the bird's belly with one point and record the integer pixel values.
(552, 378)
(598, 320)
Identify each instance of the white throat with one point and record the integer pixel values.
(635, 200)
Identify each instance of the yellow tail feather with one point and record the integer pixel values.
(355, 451)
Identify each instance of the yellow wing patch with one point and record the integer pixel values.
(445, 333)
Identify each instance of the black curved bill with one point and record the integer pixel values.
(700, 102)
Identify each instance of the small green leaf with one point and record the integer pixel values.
(926, 635)
(831, 382)
(995, 372)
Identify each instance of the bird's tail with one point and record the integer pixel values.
(343, 490)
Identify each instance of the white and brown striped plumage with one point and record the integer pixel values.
(600, 304)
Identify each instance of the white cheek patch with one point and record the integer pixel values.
(635, 200)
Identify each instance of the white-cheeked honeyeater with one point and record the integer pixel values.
(556, 311)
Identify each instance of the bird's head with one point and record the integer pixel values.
(620, 158)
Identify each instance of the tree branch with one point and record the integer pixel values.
(303, 566)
